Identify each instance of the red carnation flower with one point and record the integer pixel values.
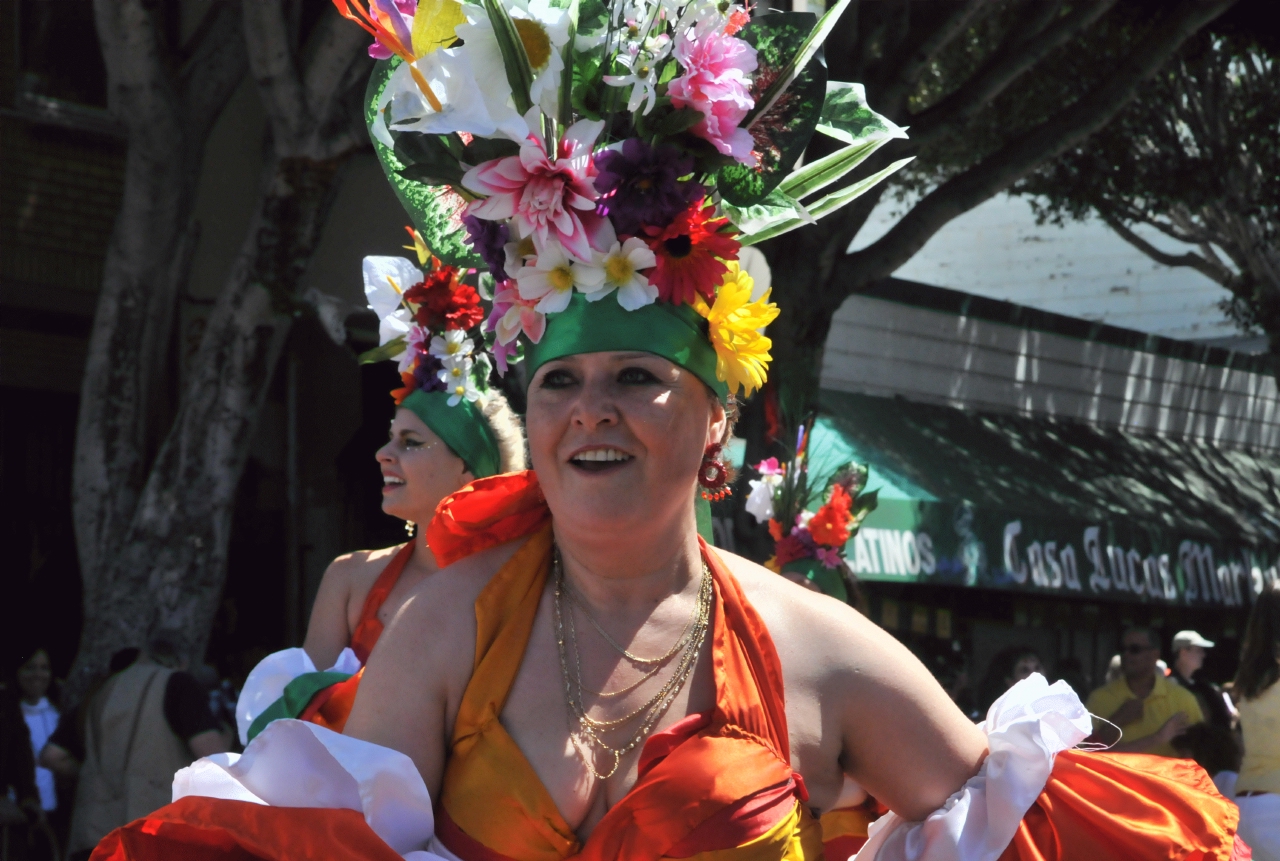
(691, 251)
(789, 549)
(443, 302)
(830, 526)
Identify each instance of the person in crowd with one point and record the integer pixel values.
(1008, 666)
(34, 683)
(34, 677)
(64, 749)
(143, 724)
(1189, 651)
(1149, 709)
(20, 810)
(1258, 699)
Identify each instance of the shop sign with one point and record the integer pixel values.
(958, 544)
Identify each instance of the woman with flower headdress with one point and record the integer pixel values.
(449, 429)
(585, 677)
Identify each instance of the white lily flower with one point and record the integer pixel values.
(642, 77)
(760, 502)
(547, 33)
(553, 276)
(385, 281)
(404, 107)
(393, 326)
(453, 344)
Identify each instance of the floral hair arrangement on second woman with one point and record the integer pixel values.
(600, 166)
(807, 542)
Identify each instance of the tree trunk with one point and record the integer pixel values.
(169, 571)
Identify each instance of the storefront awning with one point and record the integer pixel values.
(1056, 508)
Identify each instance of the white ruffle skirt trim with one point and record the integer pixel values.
(266, 682)
(1026, 728)
(297, 764)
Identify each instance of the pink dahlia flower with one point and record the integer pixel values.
(546, 197)
(715, 82)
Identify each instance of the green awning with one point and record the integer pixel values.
(1057, 508)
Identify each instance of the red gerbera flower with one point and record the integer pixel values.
(443, 301)
(691, 251)
(830, 526)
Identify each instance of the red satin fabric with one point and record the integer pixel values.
(204, 829)
(486, 513)
(369, 628)
(331, 707)
(1121, 807)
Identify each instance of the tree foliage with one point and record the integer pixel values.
(991, 90)
(1196, 156)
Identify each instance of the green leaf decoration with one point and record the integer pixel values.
(847, 117)
(826, 170)
(514, 58)
(429, 159)
(435, 209)
(389, 350)
(775, 209)
(805, 52)
(825, 205)
(782, 133)
(481, 150)
(588, 84)
(593, 16)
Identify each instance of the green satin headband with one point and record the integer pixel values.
(462, 427)
(674, 332)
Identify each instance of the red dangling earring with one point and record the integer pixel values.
(713, 476)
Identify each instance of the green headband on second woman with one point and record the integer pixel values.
(462, 427)
(674, 332)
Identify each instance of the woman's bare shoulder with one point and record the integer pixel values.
(360, 564)
(821, 637)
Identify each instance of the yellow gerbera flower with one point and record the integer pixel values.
(742, 352)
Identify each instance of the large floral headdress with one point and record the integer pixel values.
(606, 161)
(429, 324)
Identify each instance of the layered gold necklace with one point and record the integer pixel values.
(684, 653)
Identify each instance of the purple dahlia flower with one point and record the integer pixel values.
(640, 185)
(487, 238)
(424, 373)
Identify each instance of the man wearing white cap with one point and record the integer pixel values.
(1189, 649)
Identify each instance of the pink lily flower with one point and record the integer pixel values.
(544, 197)
(513, 314)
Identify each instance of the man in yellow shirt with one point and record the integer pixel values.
(1149, 709)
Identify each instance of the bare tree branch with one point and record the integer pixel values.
(1018, 158)
(332, 52)
(266, 34)
(1217, 272)
(1011, 61)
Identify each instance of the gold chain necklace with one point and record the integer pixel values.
(656, 706)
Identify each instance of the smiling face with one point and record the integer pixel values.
(35, 676)
(617, 438)
(418, 469)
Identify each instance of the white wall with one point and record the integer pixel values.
(1082, 269)
(885, 348)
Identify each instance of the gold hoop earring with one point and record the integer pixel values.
(410, 527)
